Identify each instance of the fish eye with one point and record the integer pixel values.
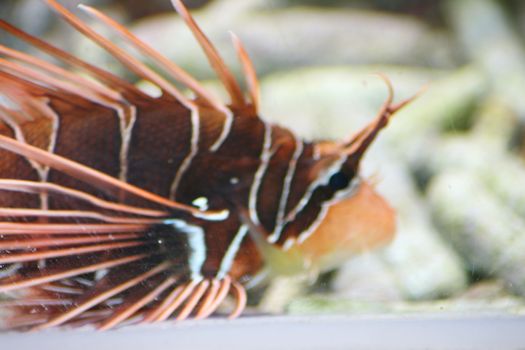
(338, 181)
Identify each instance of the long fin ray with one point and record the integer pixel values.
(126, 59)
(26, 282)
(100, 297)
(177, 72)
(32, 243)
(249, 71)
(37, 187)
(57, 253)
(93, 176)
(106, 77)
(224, 74)
(128, 309)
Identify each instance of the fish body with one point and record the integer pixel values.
(117, 206)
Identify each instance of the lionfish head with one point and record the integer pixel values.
(350, 217)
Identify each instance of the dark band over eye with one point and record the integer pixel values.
(338, 181)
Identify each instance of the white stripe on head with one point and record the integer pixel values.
(265, 158)
(324, 179)
(344, 193)
(299, 148)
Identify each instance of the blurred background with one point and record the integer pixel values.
(451, 163)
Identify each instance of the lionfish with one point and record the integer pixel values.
(117, 206)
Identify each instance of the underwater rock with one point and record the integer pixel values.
(489, 235)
